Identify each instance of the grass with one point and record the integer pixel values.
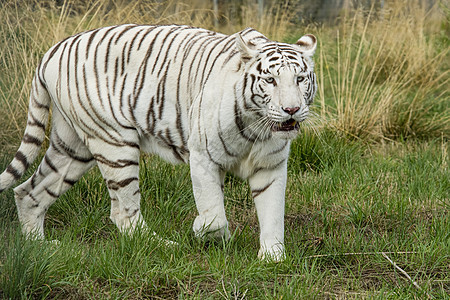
(358, 199)
(369, 177)
(384, 77)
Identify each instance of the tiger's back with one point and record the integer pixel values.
(136, 77)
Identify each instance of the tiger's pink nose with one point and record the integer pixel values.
(291, 110)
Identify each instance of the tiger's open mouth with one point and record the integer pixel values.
(288, 125)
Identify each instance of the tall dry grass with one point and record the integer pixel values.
(380, 76)
(383, 76)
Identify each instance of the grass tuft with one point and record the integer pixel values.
(27, 269)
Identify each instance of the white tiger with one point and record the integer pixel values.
(221, 103)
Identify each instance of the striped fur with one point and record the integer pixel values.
(221, 103)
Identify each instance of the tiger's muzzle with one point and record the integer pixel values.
(289, 125)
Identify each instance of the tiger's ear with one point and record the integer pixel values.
(246, 48)
(307, 44)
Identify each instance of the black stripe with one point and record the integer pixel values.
(178, 122)
(115, 185)
(275, 166)
(116, 72)
(133, 213)
(89, 42)
(222, 140)
(112, 109)
(220, 40)
(39, 105)
(29, 139)
(167, 49)
(151, 117)
(36, 203)
(58, 144)
(209, 154)
(58, 81)
(97, 78)
(186, 39)
(51, 193)
(142, 71)
(122, 64)
(205, 48)
(14, 172)
(121, 96)
(145, 35)
(33, 181)
(226, 47)
(127, 28)
(230, 56)
(108, 45)
(50, 164)
(259, 67)
(257, 192)
(287, 48)
(239, 122)
(22, 158)
(98, 116)
(199, 53)
(70, 181)
(254, 95)
(195, 55)
(177, 154)
(54, 50)
(68, 79)
(133, 40)
(121, 163)
(276, 151)
(34, 121)
(162, 85)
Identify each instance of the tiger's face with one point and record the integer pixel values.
(282, 82)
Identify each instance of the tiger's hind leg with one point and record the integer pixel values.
(119, 165)
(65, 161)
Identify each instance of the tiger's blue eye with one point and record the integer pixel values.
(270, 80)
(300, 79)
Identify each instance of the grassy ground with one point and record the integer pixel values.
(346, 203)
(370, 177)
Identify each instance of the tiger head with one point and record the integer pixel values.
(279, 81)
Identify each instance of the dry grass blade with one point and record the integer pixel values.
(357, 253)
(405, 274)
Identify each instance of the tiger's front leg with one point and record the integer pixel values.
(207, 182)
(268, 190)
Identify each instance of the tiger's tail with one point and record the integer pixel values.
(38, 112)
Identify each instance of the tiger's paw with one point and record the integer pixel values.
(212, 228)
(274, 253)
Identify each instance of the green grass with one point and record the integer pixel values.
(342, 198)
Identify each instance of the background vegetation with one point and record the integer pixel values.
(368, 178)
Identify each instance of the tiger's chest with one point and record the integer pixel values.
(249, 158)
